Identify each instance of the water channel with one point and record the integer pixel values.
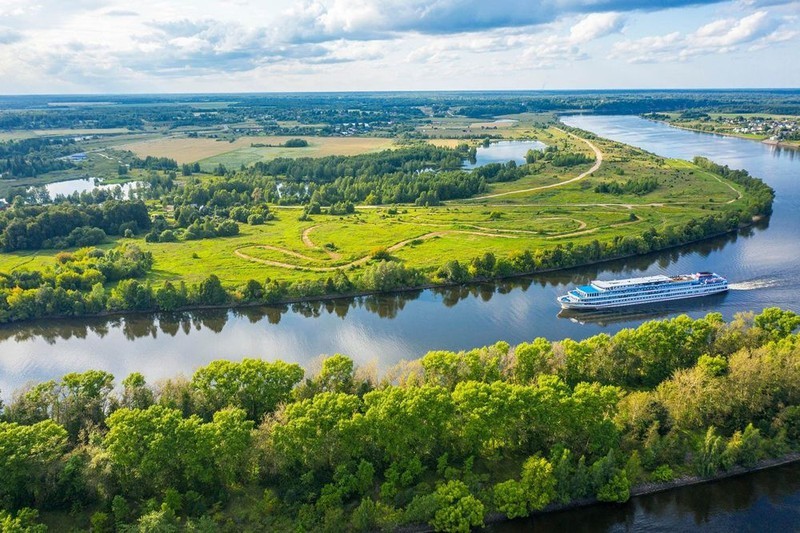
(760, 262)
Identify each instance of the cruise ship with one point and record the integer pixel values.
(635, 291)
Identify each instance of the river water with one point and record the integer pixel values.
(768, 500)
(761, 263)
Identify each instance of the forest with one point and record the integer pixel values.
(448, 441)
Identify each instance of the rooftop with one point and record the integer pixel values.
(628, 282)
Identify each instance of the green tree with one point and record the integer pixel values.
(211, 292)
(255, 385)
(458, 510)
(135, 393)
(28, 457)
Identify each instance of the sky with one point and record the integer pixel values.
(149, 46)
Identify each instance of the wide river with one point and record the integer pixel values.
(761, 263)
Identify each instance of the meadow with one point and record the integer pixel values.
(545, 208)
(210, 152)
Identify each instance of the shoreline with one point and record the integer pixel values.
(643, 489)
(361, 294)
(769, 142)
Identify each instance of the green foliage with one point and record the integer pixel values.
(777, 323)
(248, 445)
(458, 510)
(28, 455)
(663, 474)
(24, 521)
(254, 385)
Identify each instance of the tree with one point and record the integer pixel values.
(777, 323)
(211, 292)
(337, 374)
(510, 498)
(458, 510)
(136, 394)
(84, 400)
(232, 439)
(155, 449)
(28, 457)
(254, 385)
(539, 482)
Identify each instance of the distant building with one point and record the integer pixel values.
(3, 204)
(77, 157)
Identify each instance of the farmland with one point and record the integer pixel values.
(245, 150)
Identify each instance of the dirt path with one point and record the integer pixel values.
(393, 248)
(731, 187)
(598, 161)
(306, 236)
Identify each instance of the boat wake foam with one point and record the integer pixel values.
(754, 284)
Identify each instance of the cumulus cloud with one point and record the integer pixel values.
(324, 19)
(93, 42)
(717, 37)
(595, 26)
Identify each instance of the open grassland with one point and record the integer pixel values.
(425, 237)
(521, 126)
(212, 152)
(14, 135)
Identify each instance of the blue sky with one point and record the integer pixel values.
(90, 46)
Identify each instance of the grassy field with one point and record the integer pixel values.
(13, 135)
(211, 152)
(289, 249)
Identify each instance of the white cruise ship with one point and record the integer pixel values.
(634, 291)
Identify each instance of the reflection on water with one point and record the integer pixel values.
(503, 152)
(759, 262)
(68, 187)
(764, 501)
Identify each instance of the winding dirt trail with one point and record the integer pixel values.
(598, 161)
(306, 236)
(393, 248)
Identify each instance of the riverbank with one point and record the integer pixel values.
(764, 140)
(478, 435)
(643, 489)
(366, 293)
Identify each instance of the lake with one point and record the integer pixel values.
(87, 184)
(503, 152)
(760, 262)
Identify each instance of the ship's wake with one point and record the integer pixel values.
(754, 284)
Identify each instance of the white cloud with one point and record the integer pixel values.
(595, 26)
(753, 31)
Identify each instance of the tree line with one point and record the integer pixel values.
(446, 440)
(27, 158)
(382, 274)
(51, 226)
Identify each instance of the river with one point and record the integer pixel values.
(768, 500)
(761, 263)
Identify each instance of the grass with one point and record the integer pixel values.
(211, 152)
(427, 237)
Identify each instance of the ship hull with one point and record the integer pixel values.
(578, 305)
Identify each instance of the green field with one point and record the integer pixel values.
(555, 208)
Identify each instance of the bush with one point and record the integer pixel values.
(663, 474)
(167, 236)
(296, 143)
(255, 220)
